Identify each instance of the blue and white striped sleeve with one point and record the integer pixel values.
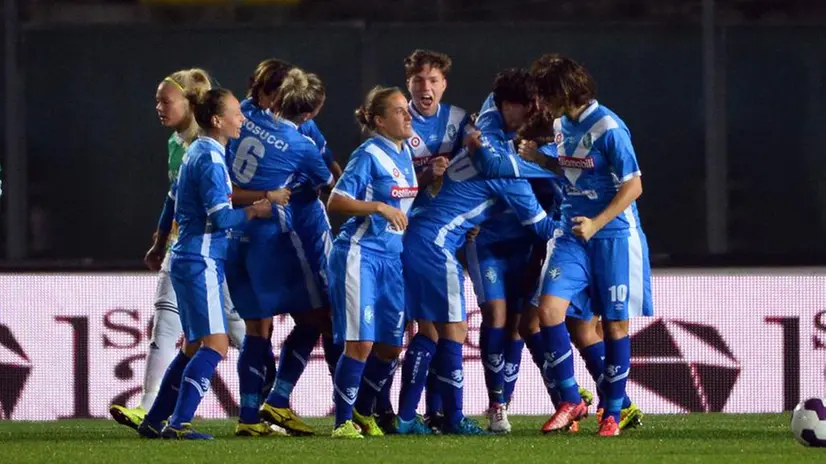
(356, 176)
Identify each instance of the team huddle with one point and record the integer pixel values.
(534, 197)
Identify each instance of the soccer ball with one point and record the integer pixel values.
(809, 422)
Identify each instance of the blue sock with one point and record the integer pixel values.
(626, 402)
(332, 352)
(594, 357)
(492, 347)
(617, 365)
(535, 347)
(295, 352)
(194, 385)
(168, 392)
(251, 377)
(269, 370)
(346, 387)
(433, 392)
(451, 379)
(383, 404)
(415, 366)
(559, 362)
(513, 359)
(376, 373)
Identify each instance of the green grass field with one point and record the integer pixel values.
(719, 438)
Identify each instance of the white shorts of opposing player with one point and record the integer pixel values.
(498, 419)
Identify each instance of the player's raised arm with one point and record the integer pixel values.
(507, 109)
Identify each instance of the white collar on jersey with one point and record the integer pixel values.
(287, 122)
(416, 114)
(389, 143)
(212, 141)
(591, 108)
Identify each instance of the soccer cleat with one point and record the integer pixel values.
(466, 426)
(498, 419)
(286, 418)
(565, 416)
(436, 422)
(609, 427)
(631, 417)
(347, 430)
(387, 421)
(574, 428)
(186, 432)
(261, 429)
(415, 426)
(130, 417)
(587, 396)
(147, 431)
(368, 424)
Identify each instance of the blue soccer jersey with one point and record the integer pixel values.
(365, 270)
(497, 156)
(433, 277)
(597, 157)
(377, 171)
(268, 271)
(303, 191)
(271, 154)
(202, 195)
(439, 135)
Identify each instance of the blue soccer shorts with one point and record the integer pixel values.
(367, 296)
(198, 284)
(616, 270)
(434, 281)
(497, 270)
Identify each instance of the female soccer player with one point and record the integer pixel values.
(174, 112)
(434, 278)
(367, 291)
(438, 133)
(269, 155)
(310, 224)
(498, 255)
(602, 245)
(203, 210)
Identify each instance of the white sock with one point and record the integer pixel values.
(236, 328)
(165, 334)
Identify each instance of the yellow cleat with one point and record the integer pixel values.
(261, 429)
(587, 396)
(130, 417)
(368, 424)
(286, 418)
(347, 430)
(631, 417)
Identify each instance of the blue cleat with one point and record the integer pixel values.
(146, 430)
(466, 426)
(186, 432)
(415, 426)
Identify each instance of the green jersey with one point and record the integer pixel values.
(177, 148)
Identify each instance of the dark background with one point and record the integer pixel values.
(96, 154)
